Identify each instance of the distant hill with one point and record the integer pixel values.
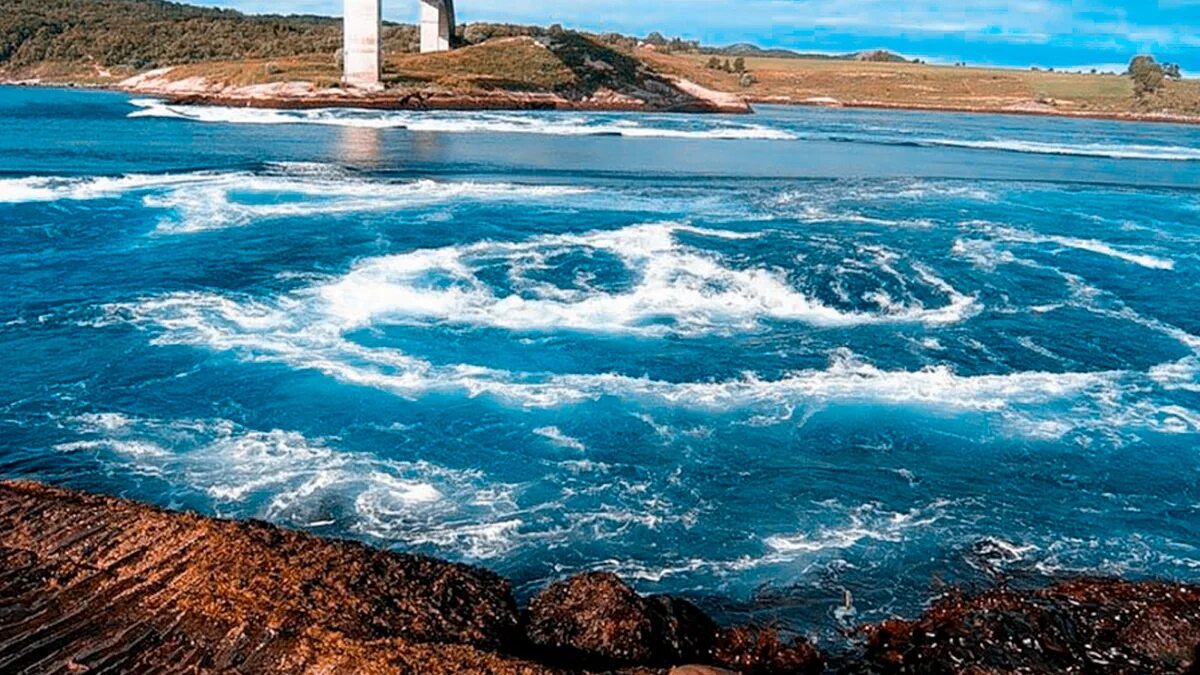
(746, 49)
(70, 37)
(141, 34)
(878, 56)
(138, 35)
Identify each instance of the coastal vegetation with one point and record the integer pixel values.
(881, 83)
(102, 42)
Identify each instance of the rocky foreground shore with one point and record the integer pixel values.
(98, 584)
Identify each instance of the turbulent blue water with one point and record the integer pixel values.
(753, 360)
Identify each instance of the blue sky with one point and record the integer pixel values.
(1058, 33)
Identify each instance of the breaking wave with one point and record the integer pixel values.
(202, 201)
(52, 189)
(1106, 150)
(1012, 235)
(554, 124)
(663, 126)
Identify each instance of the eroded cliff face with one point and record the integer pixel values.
(99, 584)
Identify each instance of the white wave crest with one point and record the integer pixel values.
(1173, 153)
(865, 522)
(230, 201)
(973, 250)
(557, 437)
(1183, 374)
(553, 124)
(213, 200)
(52, 189)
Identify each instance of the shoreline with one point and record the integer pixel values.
(540, 101)
(94, 582)
(1130, 117)
(509, 102)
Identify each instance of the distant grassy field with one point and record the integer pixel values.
(920, 85)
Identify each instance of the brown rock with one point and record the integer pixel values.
(597, 619)
(90, 584)
(759, 651)
(700, 670)
(1085, 626)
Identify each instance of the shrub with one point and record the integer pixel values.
(1148, 76)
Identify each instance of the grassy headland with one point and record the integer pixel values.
(903, 84)
(199, 53)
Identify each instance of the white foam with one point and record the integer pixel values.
(680, 289)
(213, 200)
(554, 124)
(51, 189)
(1108, 150)
(557, 437)
(973, 250)
(307, 330)
(285, 477)
(1183, 374)
(255, 333)
(982, 253)
(1102, 248)
(867, 522)
(222, 202)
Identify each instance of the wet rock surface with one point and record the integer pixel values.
(98, 584)
(1079, 626)
(598, 619)
(91, 582)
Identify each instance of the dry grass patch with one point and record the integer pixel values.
(320, 69)
(519, 64)
(922, 85)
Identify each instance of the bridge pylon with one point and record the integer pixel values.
(362, 48)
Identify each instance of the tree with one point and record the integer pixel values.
(714, 63)
(739, 65)
(656, 39)
(1148, 76)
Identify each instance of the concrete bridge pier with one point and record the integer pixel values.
(437, 25)
(362, 48)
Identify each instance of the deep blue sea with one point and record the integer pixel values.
(757, 361)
